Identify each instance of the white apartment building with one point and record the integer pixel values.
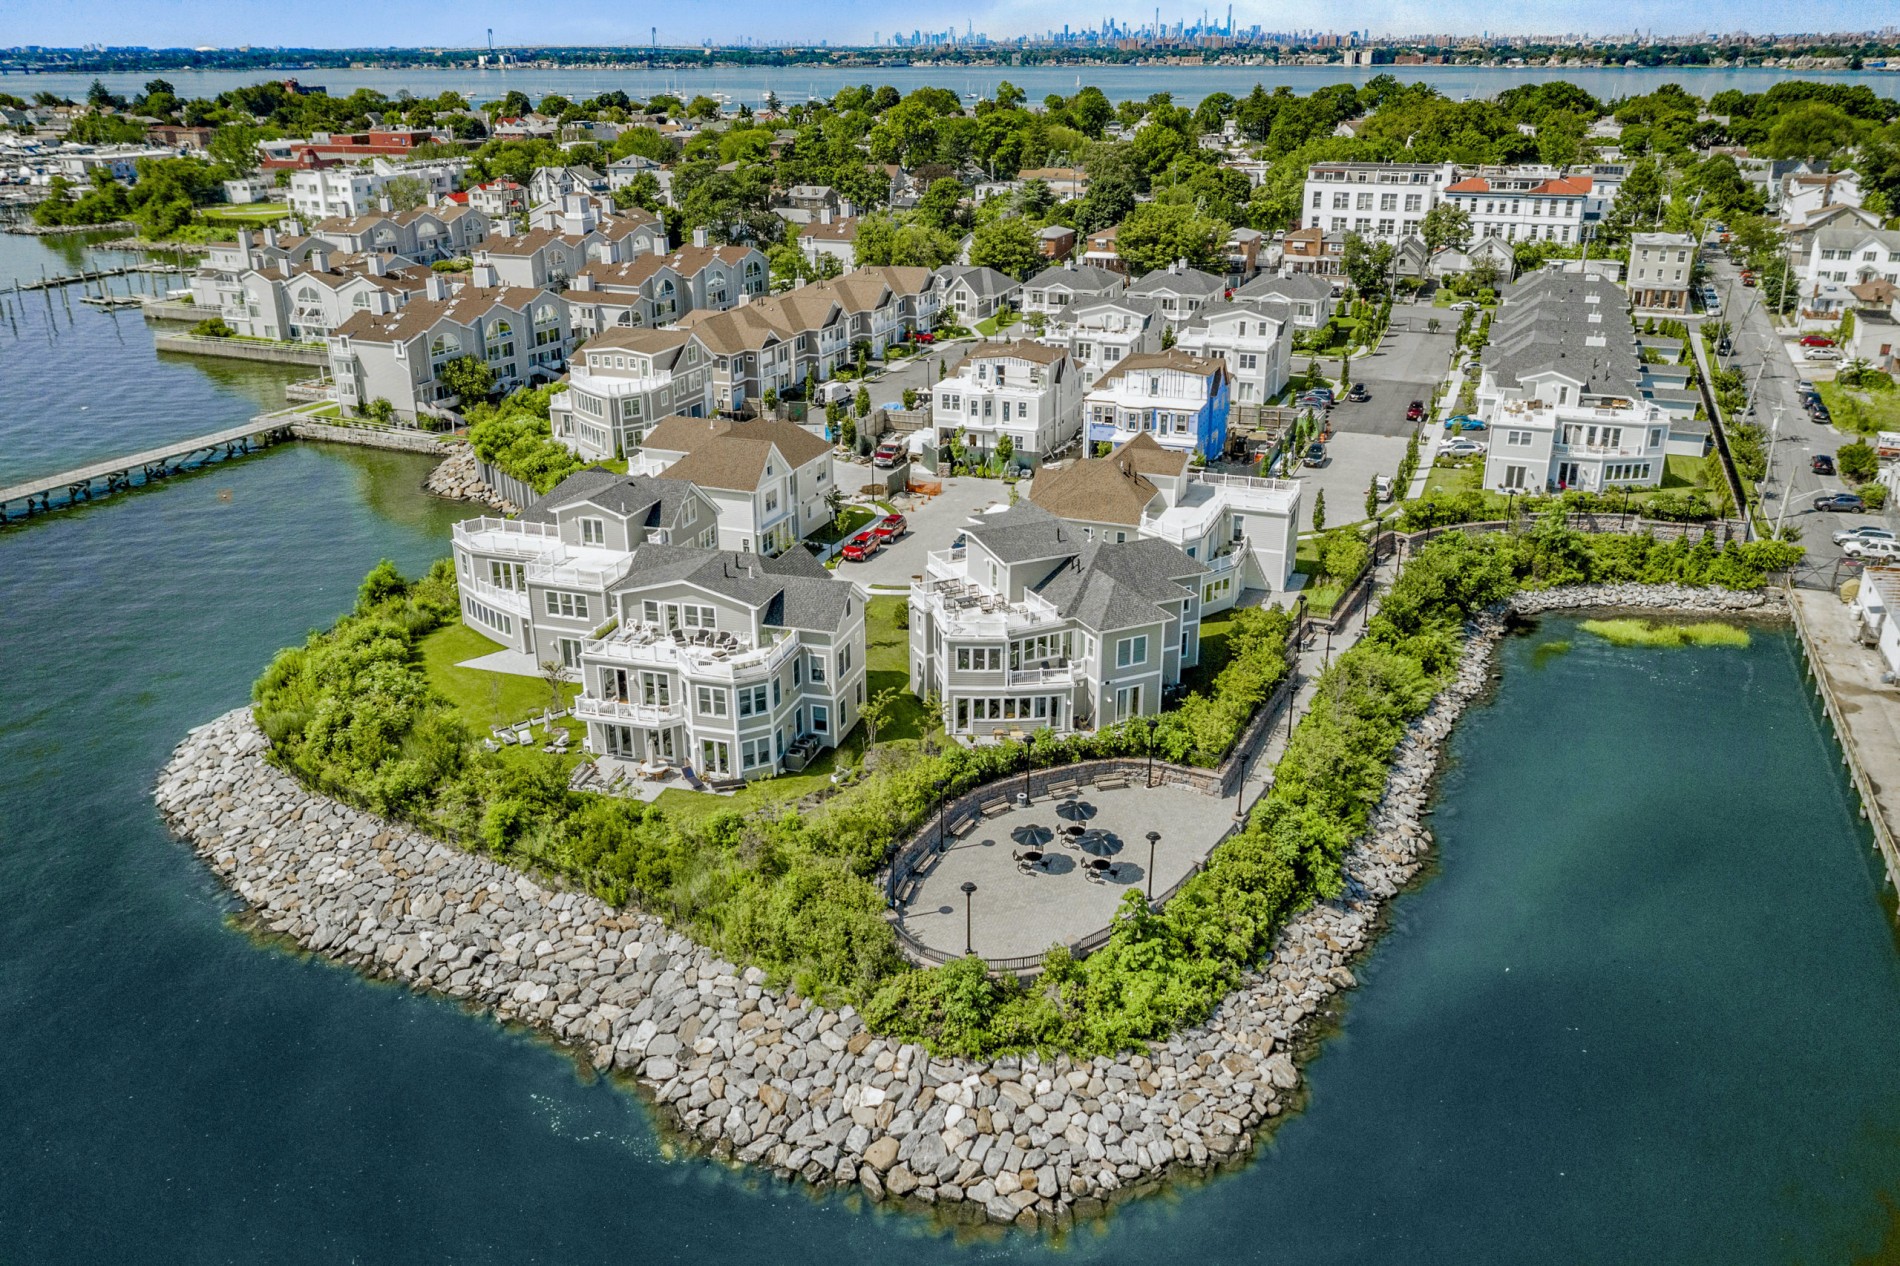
(1030, 625)
(542, 583)
(1025, 390)
(624, 381)
(344, 192)
(1101, 334)
(1254, 339)
(1524, 205)
(1591, 443)
(769, 480)
(1381, 201)
(1244, 530)
(734, 665)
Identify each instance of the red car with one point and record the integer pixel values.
(1817, 340)
(1415, 411)
(889, 528)
(924, 337)
(861, 547)
(887, 455)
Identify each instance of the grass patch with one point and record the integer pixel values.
(247, 211)
(1216, 650)
(1547, 651)
(483, 698)
(1632, 632)
(887, 667)
(1862, 410)
(989, 326)
(854, 518)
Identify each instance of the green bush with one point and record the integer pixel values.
(516, 438)
(213, 327)
(1857, 461)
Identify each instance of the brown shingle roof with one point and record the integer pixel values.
(1173, 358)
(419, 316)
(731, 455)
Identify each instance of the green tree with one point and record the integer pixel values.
(1446, 225)
(1156, 234)
(1319, 510)
(1372, 498)
(1005, 450)
(1857, 461)
(1006, 244)
(1366, 263)
(406, 193)
(468, 377)
(876, 712)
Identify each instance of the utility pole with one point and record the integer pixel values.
(1787, 485)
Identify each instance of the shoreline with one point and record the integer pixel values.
(764, 1078)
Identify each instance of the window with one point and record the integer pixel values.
(507, 575)
(656, 689)
(752, 701)
(844, 660)
(712, 701)
(820, 719)
(697, 617)
(1127, 702)
(1517, 439)
(650, 611)
(571, 606)
(756, 752)
(1130, 652)
(716, 756)
(570, 652)
(817, 668)
(593, 532)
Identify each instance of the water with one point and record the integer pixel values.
(748, 85)
(1648, 1010)
(81, 384)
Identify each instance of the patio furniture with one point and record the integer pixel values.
(1094, 876)
(1114, 782)
(1074, 810)
(993, 807)
(1032, 834)
(1099, 843)
(1029, 860)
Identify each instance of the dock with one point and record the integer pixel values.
(1864, 710)
(102, 479)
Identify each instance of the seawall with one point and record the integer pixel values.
(770, 1079)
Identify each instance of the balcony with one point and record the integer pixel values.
(626, 712)
(580, 569)
(511, 600)
(649, 648)
(488, 535)
(964, 609)
(1604, 450)
(1054, 673)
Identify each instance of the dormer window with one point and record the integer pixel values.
(593, 532)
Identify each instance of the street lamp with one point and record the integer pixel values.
(969, 889)
(1154, 837)
(1152, 722)
(1240, 793)
(1027, 762)
(941, 784)
(1626, 507)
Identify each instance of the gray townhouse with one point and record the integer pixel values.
(1179, 291)
(660, 287)
(1055, 290)
(622, 383)
(972, 293)
(769, 480)
(1308, 298)
(425, 234)
(1100, 335)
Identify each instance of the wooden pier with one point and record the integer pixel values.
(102, 479)
(90, 275)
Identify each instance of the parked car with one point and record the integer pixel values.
(1871, 549)
(923, 336)
(1358, 394)
(1725, 348)
(1822, 464)
(1461, 448)
(1414, 411)
(1464, 422)
(1464, 305)
(1823, 353)
(1321, 394)
(1803, 386)
(1312, 400)
(1867, 533)
(1817, 340)
(889, 528)
(1316, 454)
(1383, 484)
(860, 547)
(1839, 503)
(888, 454)
(1748, 278)
(1819, 413)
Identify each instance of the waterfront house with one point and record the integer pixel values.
(769, 480)
(622, 383)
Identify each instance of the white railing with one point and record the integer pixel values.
(561, 570)
(1601, 450)
(660, 651)
(1224, 562)
(513, 600)
(590, 708)
(1046, 676)
(533, 535)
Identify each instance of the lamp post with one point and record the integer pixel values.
(1152, 722)
(1027, 763)
(969, 890)
(1626, 507)
(941, 784)
(1510, 504)
(1240, 794)
(1154, 837)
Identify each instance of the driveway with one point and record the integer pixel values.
(1408, 365)
(934, 524)
(1351, 462)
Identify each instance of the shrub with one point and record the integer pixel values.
(516, 438)
(1857, 461)
(213, 327)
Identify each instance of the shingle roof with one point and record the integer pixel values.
(1112, 489)
(1304, 286)
(1189, 281)
(1025, 532)
(644, 499)
(785, 590)
(731, 455)
(1576, 324)
(1122, 584)
(419, 316)
(1173, 358)
(986, 282)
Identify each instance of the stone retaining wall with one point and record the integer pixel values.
(313, 354)
(367, 437)
(459, 478)
(771, 1079)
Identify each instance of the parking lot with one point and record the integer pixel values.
(934, 523)
(1408, 366)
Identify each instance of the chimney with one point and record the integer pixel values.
(384, 205)
(699, 236)
(582, 281)
(375, 265)
(435, 286)
(245, 241)
(483, 276)
(320, 259)
(824, 215)
(270, 237)
(283, 268)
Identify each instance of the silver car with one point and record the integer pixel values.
(1845, 535)
(1461, 448)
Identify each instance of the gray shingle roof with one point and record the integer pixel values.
(1576, 324)
(792, 591)
(1300, 286)
(1121, 584)
(1025, 532)
(986, 282)
(642, 498)
(1190, 281)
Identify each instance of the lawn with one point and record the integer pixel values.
(1215, 652)
(247, 211)
(854, 518)
(988, 327)
(1321, 592)
(1861, 409)
(484, 699)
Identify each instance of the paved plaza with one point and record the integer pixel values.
(1017, 915)
(934, 523)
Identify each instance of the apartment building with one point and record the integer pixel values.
(624, 381)
(1025, 390)
(554, 184)
(345, 192)
(1179, 398)
(522, 334)
(541, 583)
(424, 235)
(1030, 625)
(769, 480)
(1842, 259)
(830, 237)
(1254, 339)
(735, 665)
(1179, 291)
(1314, 251)
(1101, 334)
(1380, 201)
(1524, 205)
(573, 234)
(661, 286)
(1053, 290)
(1662, 270)
(304, 302)
(1244, 530)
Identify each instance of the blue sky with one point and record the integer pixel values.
(359, 23)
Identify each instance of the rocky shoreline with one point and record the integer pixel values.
(458, 477)
(773, 1080)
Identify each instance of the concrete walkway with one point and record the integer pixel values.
(1865, 710)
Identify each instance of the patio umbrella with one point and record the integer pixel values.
(1075, 810)
(1032, 835)
(1099, 843)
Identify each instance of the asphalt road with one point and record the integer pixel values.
(1409, 364)
(1759, 349)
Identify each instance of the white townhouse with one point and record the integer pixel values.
(1662, 272)
(659, 287)
(1101, 334)
(1592, 443)
(540, 584)
(304, 302)
(734, 665)
(1030, 625)
(769, 480)
(972, 293)
(624, 171)
(1308, 298)
(1244, 530)
(552, 184)
(622, 383)
(1524, 206)
(1380, 201)
(1179, 291)
(522, 335)
(1024, 390)
(425, 235)
(1056, 290)
(1254, 339)
(829, 237)
(344, 191)
(1840, 259)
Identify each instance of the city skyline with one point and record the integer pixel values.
(857, 23)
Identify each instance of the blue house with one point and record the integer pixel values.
(1178, 399)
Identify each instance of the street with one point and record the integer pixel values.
(1798, 439)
